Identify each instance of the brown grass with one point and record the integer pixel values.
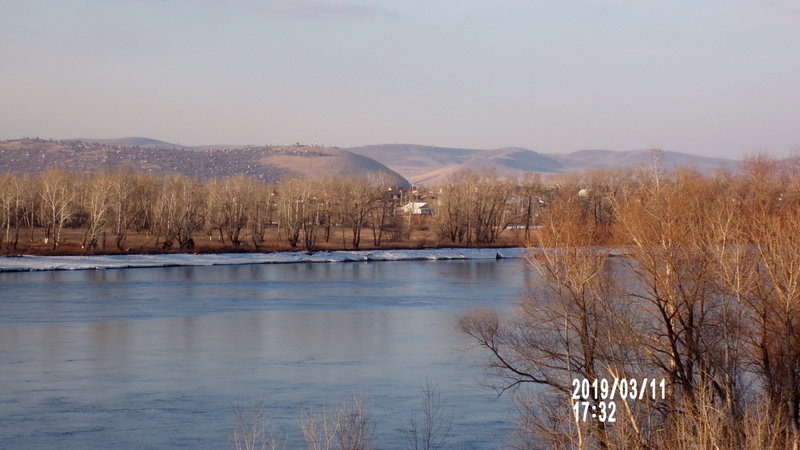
(32, 242)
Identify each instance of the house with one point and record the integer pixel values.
(416, 209)
(395, 193)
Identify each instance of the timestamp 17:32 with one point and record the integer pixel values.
(604, 393)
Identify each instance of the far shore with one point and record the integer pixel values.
(242, 250)
(32, 243)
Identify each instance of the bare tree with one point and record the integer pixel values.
(262, 214)
(301, 210)
(291, 209)
(706, 297)
(178, 211)
(528, 200)
(252, 429)
(344, 428)
(97, 203)
(765, 275)
(57, 193)
(358, 200)
(231, 204)
(433, 430)
(15, 201)
(123, 194)
(562, 331)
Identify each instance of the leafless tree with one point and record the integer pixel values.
(706, 297)
(125, 193)
(57, 193)
(231, 205)
(96, 203)
(252, 429)
(178, 210)
(300, 210)
(474, 209)
(15, 200)
(358, 199)
(433, 429)
(343, 428)
(262, 214)
(562, 331)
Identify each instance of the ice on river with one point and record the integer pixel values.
(29, 262)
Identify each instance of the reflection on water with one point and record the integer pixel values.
(157, 357)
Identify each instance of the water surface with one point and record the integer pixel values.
(158, 357)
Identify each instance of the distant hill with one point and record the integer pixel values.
(505, 162)
(607, 159)
(432, 165)
(310, 162)
(134, 142)
(415, 160)
(419, 164)
(270, 164)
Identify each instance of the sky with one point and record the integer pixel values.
(710, 77)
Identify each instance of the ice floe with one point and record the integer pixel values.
(29, 263)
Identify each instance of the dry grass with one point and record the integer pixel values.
(32, 242)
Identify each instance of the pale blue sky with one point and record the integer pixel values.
(713, 77)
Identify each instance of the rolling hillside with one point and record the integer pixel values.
(404, 163)
(270, 164)
(432, 165)
(415, 161)
(134, 142)
(606, 159)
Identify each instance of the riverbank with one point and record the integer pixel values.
(99, 262)
(33, 242)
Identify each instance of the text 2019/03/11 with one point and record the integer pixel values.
(596, 399)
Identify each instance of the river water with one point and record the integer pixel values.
(159, 357)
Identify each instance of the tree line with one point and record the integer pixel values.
(172, 211)
(705, 295)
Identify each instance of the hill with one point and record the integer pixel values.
(505, 162)
(415, 161)
(134, 142)
(607, 159)
(270, 164)
(419, 164)
(432, 165)
(309, 162)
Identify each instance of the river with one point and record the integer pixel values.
(159, 357)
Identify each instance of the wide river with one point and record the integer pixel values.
(160, 357)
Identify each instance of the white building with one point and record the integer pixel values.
(416, 209)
